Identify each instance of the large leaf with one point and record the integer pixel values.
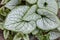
(15, 22)
(12, 4)
(48, 5)
(42, 37)
(48, 20)
(31, 1)
(4, 11)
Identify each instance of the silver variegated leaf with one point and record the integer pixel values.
(48, 5)
(15, 22)
(48, 20)
(1, 25)
(31, 15)
(26, 37)
(6, 34)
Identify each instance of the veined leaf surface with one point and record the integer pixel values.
(50, 5)
(15, 22)
(48, 20)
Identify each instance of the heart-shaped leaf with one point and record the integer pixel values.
(6, 34)
(50, 5)
(15, 21)
(48, 20)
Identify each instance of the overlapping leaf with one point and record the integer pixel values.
(16, 22)
(48, 20)
(49, 5)
(54, 35)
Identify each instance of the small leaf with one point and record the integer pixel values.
(16, 22)
(31, 15)
(6, 34)
(48, 20)
(48, 5)
(54, 35)
(18, 36)
(1, 25)
(26, 37)
(42, 37)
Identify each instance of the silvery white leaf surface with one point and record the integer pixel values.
(12, 4)
(6, 34)
(50, 5)
(15, 22)
(54, 35)
(31, 15)
(48, 20)
(1, 25)
(31, 1)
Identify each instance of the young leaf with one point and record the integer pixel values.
(50, 5)
(48, 20)
(12, 4)
(58, 1)
(35, 31)
(18, 36)
(16, 22)
(26, 37)
(6, 34)
(4, 1)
